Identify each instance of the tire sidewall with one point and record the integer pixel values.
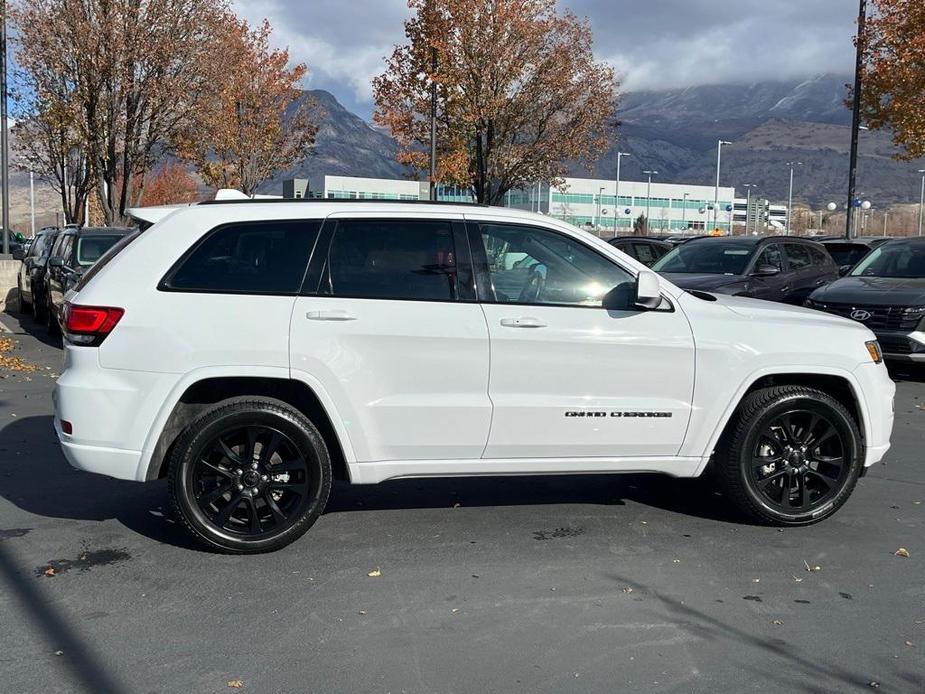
(848, 432)
(202, 432)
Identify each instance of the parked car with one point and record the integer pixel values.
(250, 352)
(847, 254)
(885, 292)
(75, 250)
(642, 248)
(681, 238)
(31, 278)
(776, 268)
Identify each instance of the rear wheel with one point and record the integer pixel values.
(249, 476)
(791, 456)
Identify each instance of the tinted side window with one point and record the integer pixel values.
(798, 255)
(770, 256)
(392, 259)
(528, 265)
(248, 257)
(644, 253)
(820, 257)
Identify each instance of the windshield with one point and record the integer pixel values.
(91, 248)
(901, 259)
(707, 257)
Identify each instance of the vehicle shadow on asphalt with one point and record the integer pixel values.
(911, 373)
(25, 324)
(803, 671)
(36, 478)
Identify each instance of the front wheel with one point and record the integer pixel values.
(24, 305)
(250, 475)
(790, 456)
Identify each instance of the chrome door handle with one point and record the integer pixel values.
(526, 322)
(335, 315)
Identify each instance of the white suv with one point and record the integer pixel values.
(252, 351)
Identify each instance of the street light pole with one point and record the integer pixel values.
(32, 201)
(748, 203)
(684, 212)
(719, 159)
(791, 164)
(922, 201)
(650, 174)
(856, 113)
(616, 202)
(600, 196)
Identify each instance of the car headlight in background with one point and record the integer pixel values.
(914, 311)
(873, 348)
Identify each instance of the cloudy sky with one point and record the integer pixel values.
(653, 43)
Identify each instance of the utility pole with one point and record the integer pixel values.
(4, 142)
(433, 125)
(719, 158)
(684, 212)
(856, 114)
(748, 203)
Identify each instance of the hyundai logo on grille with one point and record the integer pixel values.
(860, 314)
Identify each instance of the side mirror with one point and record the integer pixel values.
(766, 271)
(56, 261)
(648, 290)
(19, 254)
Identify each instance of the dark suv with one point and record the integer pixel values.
(885, 292)
(74, 252)
(642, 248)
(776, 268)
(31, 279)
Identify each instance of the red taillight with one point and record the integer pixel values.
(67, 427)
(93, 322)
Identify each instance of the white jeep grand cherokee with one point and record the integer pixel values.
(252, 351)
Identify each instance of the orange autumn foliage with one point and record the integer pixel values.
(519, 93)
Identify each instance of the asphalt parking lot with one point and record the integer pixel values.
(603, 583)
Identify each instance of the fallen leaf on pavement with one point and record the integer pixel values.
(777, 622)
(909, 643)
(902, 552)
(375, 573)
(798, 580)
(236, 684)
(811, 568)
(627, 589)
(50, 571)
(362, 611)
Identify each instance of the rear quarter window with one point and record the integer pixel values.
(267, 257)
(106, 258)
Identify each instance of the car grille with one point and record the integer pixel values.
(898, 345)
(881, 317)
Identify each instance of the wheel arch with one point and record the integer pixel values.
(203, 393)
(841, 385)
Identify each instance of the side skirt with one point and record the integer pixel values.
(374, 472)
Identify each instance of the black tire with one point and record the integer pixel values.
(778, 460)
(24, 306)
(38, 307)
(51, 321)
(219, 451)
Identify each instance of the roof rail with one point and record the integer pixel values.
(226, 201)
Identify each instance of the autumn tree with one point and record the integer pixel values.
(48, 142)
(134, 68)
(893, 73)
(170, 184)
(252, 119)
(519, 93)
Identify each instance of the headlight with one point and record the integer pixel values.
(873, 348)
(914, 311)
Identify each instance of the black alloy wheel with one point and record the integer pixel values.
(791, 455)
(250, 476)
(798, 462)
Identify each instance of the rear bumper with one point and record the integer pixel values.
(112, 462)
(110, 412)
